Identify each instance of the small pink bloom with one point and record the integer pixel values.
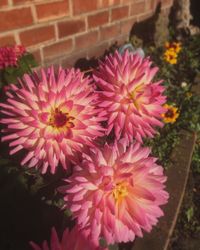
(73, 240)
(116, 192)
(8, 57)
(19, 50)
(51, 115)
(133, 102)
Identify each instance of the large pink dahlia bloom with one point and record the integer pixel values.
(52, 116)
(132, 101)
(116, 193)
(73, 240)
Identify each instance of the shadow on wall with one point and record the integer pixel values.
(195, 11)
(145, 30)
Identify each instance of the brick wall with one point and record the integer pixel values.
(61, 31)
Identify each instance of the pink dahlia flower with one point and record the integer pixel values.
(132, 101)
(73, 240)
(52, 116)
(115, 193)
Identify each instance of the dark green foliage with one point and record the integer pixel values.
(183, 97)
(24, 65)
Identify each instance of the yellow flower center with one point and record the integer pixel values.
(58, 119)
(169, 113)
(120, 191)
(133, 95)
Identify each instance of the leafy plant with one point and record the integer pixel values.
(190, 213)
(11, 72)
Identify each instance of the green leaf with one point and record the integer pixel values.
(68, 212)
(29, 59)
(190, 213)
(102, 243)
(10, 77)
(113, 247)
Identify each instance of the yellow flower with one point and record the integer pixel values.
(170, 56)
(174, 45)
(189, 94)
(171, 53)
(171, 114)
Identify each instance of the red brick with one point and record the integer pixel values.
(84, 41)
(109, 3)
(52, 10)
(57, 49)
(68, 28)
(122, 39)
(3, 3)
(144, 16)
(109, 32)
(98, 19)
(37, 35)
(70, 60)
(166, 3)
(21, 1)
(119, 13)
(127, 1)
(82, 6)
(37, 56)
(127, 25)
(119, 40)
(7, 40)
(98, 50)
(13, 19)
(137, 8)
(154, 4)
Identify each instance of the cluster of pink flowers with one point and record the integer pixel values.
(59, 118)
(10, 55)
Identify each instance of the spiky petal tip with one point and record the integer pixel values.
(71, 240)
